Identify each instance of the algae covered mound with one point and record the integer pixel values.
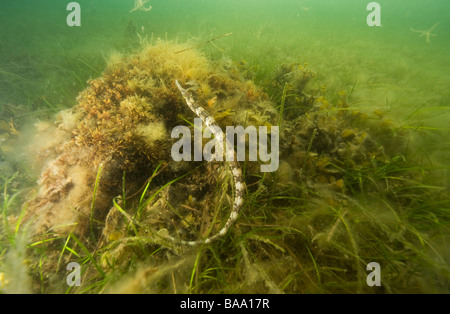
(121, 129)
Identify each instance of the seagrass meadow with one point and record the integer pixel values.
(93, 200)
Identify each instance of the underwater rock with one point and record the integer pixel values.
(121, 125)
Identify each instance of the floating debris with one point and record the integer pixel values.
(140, 5)
(426, 33)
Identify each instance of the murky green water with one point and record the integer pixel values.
(400, 69)
(391, 66)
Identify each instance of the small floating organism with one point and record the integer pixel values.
(427, 33)
(140, 5)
